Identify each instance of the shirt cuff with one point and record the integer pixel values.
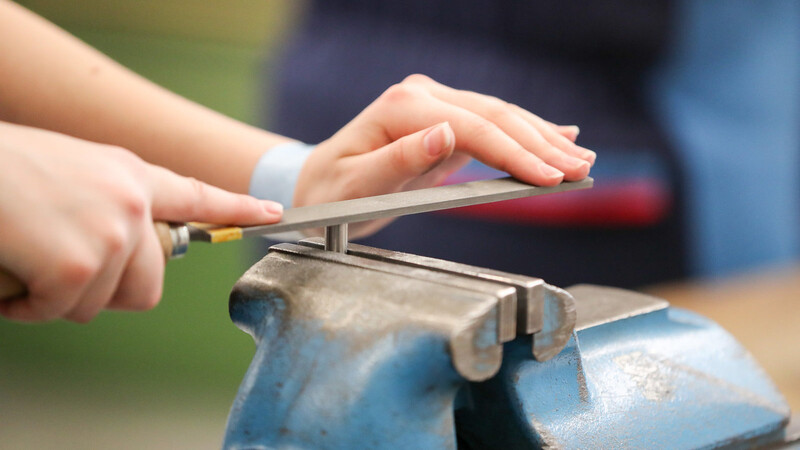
(275, 178)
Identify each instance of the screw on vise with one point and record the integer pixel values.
(336, 238)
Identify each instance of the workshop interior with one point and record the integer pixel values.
(592, 318)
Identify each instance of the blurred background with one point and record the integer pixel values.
(692, 107)
(165, 378)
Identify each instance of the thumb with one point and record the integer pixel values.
(182, 199)
(392, 166)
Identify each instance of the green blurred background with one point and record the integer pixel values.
(164, 378)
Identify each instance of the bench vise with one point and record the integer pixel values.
(379, 349)
(358, 347)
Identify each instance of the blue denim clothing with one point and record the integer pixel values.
(729, 95)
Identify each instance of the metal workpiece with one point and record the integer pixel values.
(351, 354)
(539, 308)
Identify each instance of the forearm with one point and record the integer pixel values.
(51, 80)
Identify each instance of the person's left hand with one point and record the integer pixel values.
(77, 223)
(418, 132)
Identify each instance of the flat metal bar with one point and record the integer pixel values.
(409, 202)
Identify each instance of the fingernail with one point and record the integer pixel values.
(577, 163)
(589, 156)
(575, 129)
(550, 172)
(274, 208)
(438, 139)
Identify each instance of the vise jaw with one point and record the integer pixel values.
(380, 349)
(370, 337)
(534, 308)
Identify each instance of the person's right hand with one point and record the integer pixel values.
(76, 223)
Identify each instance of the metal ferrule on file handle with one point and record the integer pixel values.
(174, 238)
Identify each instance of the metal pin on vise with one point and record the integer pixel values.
(336, 238)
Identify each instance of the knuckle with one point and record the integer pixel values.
(111, 234)
(242, 208)
(134, 204)
(417, 78)
(82, 318)
(114, 238)
(246, 203)
(198, 187)
(199, 192)
(498, 110)
(484, 129)
(399, 93)
(150, 300)
(512, 159)
(145, 297)
(118, 152)
(76, 272)
(124, 156)
(398, 156)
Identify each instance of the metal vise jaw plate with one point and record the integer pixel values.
(358, 296)
(538, 309)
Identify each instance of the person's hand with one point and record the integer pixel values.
(419, 132)
(76, 223)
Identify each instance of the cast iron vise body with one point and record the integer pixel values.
(380, 349)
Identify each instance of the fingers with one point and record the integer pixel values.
(141, 284)
(177, 198)
(439, 173)
(562, 137)
(89, 243)
(533, 133)
(389, 168)
(72, 268)
(570, 132)
(543, 141)
(85, 262)
(131, 277)
(53, 296)
(101, 289)
(405, 109)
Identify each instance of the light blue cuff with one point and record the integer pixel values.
(275, 177)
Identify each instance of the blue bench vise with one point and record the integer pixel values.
(385, 350)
